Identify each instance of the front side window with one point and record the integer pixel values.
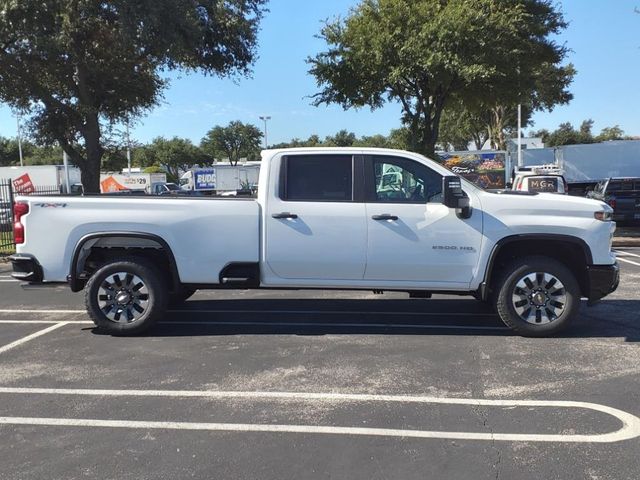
(399, 180)
(318, 178)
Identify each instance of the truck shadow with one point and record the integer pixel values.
(269, 316)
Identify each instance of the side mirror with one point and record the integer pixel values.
(454, 196)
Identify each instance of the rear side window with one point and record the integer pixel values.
(318, 178)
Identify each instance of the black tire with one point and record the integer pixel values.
(100, 297)
(183, 294)
(548, 309)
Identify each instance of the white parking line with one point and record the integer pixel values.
(628, 261)
(37, 334)
(630, 423)
(286, 324)
(292, 312)
(625, 253)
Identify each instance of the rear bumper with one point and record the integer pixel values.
(603, 279)
(26, 268)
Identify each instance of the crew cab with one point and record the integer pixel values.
(329, 218)
(623, 195)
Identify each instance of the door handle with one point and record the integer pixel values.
(385, 216)
(284, 215)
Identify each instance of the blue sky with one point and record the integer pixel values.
(603, 34)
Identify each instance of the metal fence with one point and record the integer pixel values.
(7, 198)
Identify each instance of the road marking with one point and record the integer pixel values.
(283, 312)
(2, 280)
(630, 423)
(625, 253)
(628, 261)
(284, 324)
(37, 334)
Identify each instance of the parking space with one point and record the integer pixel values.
(318, 385)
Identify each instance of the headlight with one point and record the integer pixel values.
(603, 216)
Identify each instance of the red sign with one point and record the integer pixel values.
(23, 185)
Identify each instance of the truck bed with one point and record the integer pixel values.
(197, 229)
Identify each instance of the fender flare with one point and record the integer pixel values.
(77, 283)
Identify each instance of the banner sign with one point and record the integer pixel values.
(484, 169)
(23, 185)
(205, 179)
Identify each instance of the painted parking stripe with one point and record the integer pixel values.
(630, 428)
(287, 324)
(37, 334)
(625, 253)
(286, 312)
(624, 260)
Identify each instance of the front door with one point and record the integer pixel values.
(315, 230)
(412, 236)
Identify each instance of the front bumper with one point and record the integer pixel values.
(26, 268)
(603, 279)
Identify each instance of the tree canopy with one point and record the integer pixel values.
(234, 142)
(75, 65)
(424, 54)
(174, 155)
(566, 134)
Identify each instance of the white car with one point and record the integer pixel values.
(329, 218)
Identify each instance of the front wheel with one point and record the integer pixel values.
(126, 296)
(537, 296)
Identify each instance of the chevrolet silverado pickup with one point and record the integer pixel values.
(334, 218)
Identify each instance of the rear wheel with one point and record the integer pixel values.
(537, 296)
(126, 296)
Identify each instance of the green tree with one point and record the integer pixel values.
(343, 138)
(610, 133)
(174, 156)
(424, 53)
(235, 141)
(76, 65)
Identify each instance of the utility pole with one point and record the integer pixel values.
(265, 119)
(20, 140)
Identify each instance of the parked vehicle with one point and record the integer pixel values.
(324, 218)
(163, 188)
(30, 178)
(542, 178)
(221, 178)
(142, 182)
(623, 195)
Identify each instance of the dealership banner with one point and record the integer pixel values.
(205, 179)
(484, 169)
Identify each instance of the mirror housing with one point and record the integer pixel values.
(454, 197)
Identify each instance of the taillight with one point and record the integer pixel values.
(19, 210)
(612, 203)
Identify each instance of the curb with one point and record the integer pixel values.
(626, 242)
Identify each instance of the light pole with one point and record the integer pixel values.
(20, 140)
(128, 148)
(265, 119)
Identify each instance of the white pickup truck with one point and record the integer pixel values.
(361, 219)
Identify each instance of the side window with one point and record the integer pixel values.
(399, 180)
(318, 178)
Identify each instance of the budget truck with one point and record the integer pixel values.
(325, 219)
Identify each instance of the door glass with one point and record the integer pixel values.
(398, 180)
(318, 178)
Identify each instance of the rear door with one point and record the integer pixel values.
(315, 227)
(412, 237)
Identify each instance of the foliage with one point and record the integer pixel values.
(425, 53)
(174, 156)
(343, 138)
(566, 134)
(78, 65)
(234, 142)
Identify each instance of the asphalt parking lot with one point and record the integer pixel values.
(281, 385)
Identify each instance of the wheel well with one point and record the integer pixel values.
(94, 251)
(572, 254)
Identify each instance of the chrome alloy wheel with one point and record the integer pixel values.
(539, 298)
(123, 297)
